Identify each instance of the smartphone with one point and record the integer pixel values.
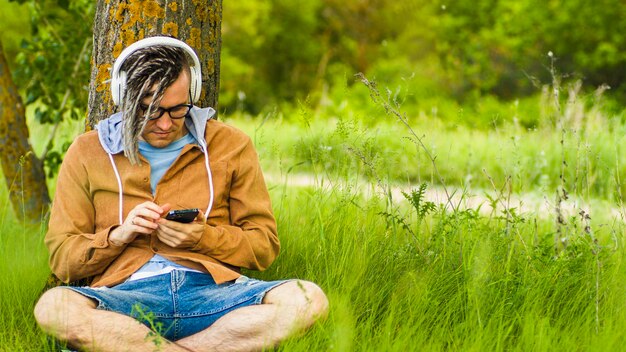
(183, 215)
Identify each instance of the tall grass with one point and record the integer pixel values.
(589, 138)
(23, 274)
(401, 275)
(466, 284)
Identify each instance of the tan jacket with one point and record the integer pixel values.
(240, 231)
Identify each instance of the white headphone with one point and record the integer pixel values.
(118, 78)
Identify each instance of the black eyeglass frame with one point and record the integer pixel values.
(162, 111)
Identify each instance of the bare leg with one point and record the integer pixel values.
(286, 309)
(72, 317)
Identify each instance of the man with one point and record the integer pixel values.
(181, 280)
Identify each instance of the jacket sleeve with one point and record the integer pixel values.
(76, 250)
(251, 240)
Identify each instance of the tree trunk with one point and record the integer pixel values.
(23, 171)
(119, 23)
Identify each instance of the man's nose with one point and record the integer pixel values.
(164, 122)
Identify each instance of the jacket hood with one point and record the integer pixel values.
(110, 129)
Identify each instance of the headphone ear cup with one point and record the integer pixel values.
(196, 83)
(118, 87)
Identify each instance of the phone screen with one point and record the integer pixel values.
(183, 215)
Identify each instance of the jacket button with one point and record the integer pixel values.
(145, 179)
(155, 249)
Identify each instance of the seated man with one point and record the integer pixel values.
(182, 280)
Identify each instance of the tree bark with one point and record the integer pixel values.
(119, 23)
(23, 171)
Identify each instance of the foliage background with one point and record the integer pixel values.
(277, 53)
(490, 87)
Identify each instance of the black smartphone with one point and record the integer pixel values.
(183, 215)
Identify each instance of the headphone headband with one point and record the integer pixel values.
(118, 77)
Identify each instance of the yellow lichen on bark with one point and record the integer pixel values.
(210, 66)
(170, 28)
(128, 37)
(188, 21)
(173, 6)
(194, 38)
(117, 49)
(213, 17)
(152, 9)
(202, 10)
(135, 11)
(119, 13)
(104, 73)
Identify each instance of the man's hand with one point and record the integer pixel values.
(180, 235)
(141, 220)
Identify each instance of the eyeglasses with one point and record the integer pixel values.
(175, 112)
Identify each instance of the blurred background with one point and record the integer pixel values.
(438, 57)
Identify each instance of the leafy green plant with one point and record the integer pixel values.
(156, 327)
(52, 67)
(417, 200)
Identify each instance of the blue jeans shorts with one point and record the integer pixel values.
(180, 303)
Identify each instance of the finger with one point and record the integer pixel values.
(170, 232)
(166, 207)
(200, 217)
(171, 224)
(140, 229)
(147, 213)
(151, 206)
(165, 238)
(142, 222)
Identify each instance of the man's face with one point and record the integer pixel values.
(161, 132)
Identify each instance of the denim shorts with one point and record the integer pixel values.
(180, 303)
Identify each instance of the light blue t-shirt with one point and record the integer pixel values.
(160, 160)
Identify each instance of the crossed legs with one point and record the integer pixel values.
(287, 309)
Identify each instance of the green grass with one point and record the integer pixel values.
(467, 283)
(531, 159)
(24, 270)
(402, 280)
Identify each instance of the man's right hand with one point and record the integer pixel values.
(141, 220)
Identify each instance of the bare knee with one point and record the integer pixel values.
(46, 306)
(305, 296)
(57, 308)
(316, 299)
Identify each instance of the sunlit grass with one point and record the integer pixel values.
(24, 270)
(458, 280)
(530, 160)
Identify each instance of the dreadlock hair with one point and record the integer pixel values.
(156, 67)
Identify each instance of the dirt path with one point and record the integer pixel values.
(532, 203)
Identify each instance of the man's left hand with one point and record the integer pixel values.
(181, 235)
